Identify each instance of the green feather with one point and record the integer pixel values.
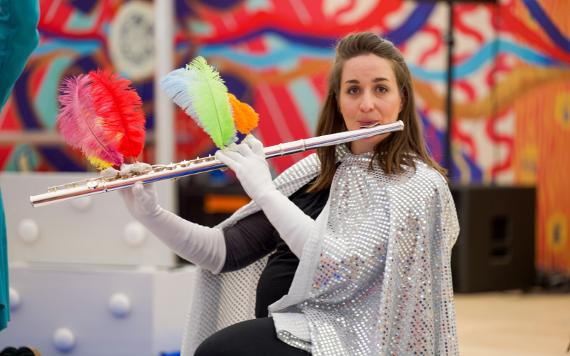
(209, 97)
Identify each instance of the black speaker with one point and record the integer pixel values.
(205, 201)
(495, 248)
(208, 199)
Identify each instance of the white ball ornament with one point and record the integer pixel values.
(134, 234)
(82, 204)
(63, 340)
(120, 305)
(15, 300)
(28, 231)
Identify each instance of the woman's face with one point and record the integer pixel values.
(368, 95)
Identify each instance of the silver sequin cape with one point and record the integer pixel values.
(374, 277)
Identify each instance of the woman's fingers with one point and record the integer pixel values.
(229, 158)
(255, 145)
(235, 156)
(244, 149)
(138, 188)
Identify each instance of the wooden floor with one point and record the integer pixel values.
(513, 324)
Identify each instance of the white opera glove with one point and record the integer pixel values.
(141, 201)
(201, 245)
(144, 203)
(247, 160)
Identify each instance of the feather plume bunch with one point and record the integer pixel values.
(102, 116)
(200, 91)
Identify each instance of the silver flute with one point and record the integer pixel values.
(175, 170)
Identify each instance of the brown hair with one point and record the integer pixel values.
(400, 148)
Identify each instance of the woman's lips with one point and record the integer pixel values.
(367, 124)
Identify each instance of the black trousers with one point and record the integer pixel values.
(248, 338)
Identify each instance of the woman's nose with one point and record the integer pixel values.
(366, 102)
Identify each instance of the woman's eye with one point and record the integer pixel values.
(352, 90)
(381, 89)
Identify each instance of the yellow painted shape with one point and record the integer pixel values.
(526, 164)
(562, 109)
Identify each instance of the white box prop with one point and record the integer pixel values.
(90, 311)
(96, 229)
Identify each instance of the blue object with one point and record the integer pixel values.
(4, 286)
(177, 353)
(18, 38)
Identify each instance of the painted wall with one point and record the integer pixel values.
(511, 121)
(512, 109)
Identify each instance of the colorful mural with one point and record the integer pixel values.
(511, 67)
(547, 108)
(276, 54)
(512, 114)
(75, 37)
(511, 122)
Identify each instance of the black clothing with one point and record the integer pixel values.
(254, 237)
(250, 337)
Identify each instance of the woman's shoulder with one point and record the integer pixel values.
(309, 162)
(420, 188)
(424, 179)
(308, 166)
(425, 171)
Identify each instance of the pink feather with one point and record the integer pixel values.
(79, 125)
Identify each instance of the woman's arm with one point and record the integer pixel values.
(247, 160)
(217, 250)
(248, 240)
(201, 245)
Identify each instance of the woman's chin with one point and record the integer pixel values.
(367, 144)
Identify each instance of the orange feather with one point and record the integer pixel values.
(245, 118)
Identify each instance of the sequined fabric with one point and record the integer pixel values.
(374, 277)
(382, 284)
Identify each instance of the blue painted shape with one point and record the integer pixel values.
(413, 23)
(60, 161)
(483, 55)
(546, 23)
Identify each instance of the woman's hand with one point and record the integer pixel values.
(141, 200)
(247, 160)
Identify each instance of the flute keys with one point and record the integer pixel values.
(92, 184)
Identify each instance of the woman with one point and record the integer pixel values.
(372, 224)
